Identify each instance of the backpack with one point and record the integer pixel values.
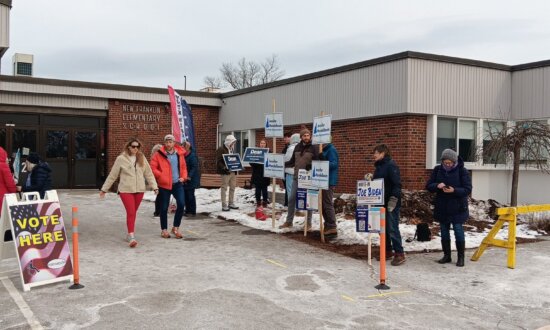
(423, 233)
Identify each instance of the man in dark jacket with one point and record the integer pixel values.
(193, 173)
(287, 136)
(304, 153)
(39, 178)
(452, 184)
(387, 169)
(331, 155)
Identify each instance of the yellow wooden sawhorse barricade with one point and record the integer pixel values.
(507, 215)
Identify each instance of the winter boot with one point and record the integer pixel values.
(260, 215)
(460, 251)
(446, 246)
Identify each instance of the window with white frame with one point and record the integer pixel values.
(459, 135)
(492, 130)
(527, 157)
(243, 138)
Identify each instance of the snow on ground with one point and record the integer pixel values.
(208, 201)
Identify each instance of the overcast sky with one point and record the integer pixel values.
(158, 42)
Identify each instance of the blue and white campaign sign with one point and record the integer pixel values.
(370, 192)
(301, 199)
(233, 162)
(274, 166)
(255, 155)
(321, 129)
(319, 174)
(367, 219)
(304, 179)
(312, 200)
(274, 125)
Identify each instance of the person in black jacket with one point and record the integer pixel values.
(193, 173)
(287, 136)
(452, 184)
(387, 169)
(39, 178)
(259, 181)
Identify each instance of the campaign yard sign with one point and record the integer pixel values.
(304, 179)
(321, 129)
(319, 174)
(370, 192)
(233, 162)
(367, 220)
(274, 125)
(254, 155)
(274, 166)
(40, 239)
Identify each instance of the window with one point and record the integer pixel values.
(459, 135)
(492, 129)
(242, 140)
(529, 152)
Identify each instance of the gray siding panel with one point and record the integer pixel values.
(25, 88)
(4, 27)
(458, 90)
(370, 91)
(531, 93)
(55, 101)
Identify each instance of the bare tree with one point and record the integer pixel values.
(526, 142)
(245, 73)
(213, 82)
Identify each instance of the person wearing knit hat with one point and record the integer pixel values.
(229, 178)
(304, 131)
(449, 154)
(451, 183)
(39, 175)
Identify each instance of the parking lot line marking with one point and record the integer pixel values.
(386, 294)
(192, 232)
(348, 298)
(276, 263)
(23, 307)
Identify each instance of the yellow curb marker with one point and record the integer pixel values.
(348, 298)
(386, 294)
(276, 263)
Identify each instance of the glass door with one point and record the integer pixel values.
(57, 156)
(84, 158)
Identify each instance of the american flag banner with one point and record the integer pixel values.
(183, 128)
(41, 241)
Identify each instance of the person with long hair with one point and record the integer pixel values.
(132, 171)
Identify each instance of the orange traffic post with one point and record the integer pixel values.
(382, 285)
(76, 282)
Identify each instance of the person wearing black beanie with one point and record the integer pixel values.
(39, 178)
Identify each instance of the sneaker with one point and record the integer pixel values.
(225, 208)
(132, 241)
(233, 207)
(285, 225)
(398, 259)
(165, 234)
(176, 232)
(331, 231)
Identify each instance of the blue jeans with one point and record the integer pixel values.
(190, 201)
(457, 228)
(393, 237)
(179, 195)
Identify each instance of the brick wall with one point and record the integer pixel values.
(150, 122)
(354, 140)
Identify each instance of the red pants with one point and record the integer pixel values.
(131, 203)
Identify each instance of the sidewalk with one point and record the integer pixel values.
(224, 275)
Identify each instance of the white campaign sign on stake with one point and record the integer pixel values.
(321, 129)
(274, 166)
(274, 125)
(319, 174)
(304, 179)
(370, 192)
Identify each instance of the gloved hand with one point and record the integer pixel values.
(368, 176)
(392, 203)
(308, 167)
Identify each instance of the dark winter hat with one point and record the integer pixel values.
(449, 154)
(33, 158)
(304, 131)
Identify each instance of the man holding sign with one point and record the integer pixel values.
(304, 153)
(387, 169)
(228, 177)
